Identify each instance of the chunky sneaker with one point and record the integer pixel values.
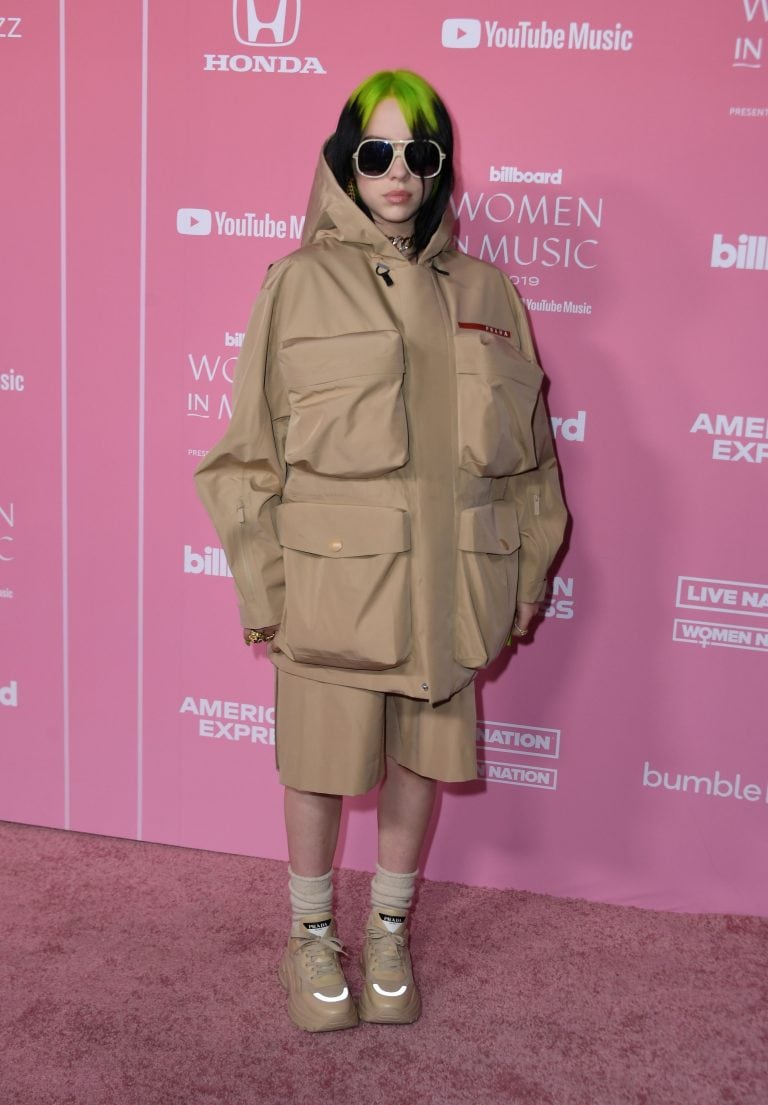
(389, 993)
(318, 996)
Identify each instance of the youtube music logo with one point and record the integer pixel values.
(193, 220)
(461, 34)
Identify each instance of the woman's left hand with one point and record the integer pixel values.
(524, 615)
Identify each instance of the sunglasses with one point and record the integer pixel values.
(422, 156)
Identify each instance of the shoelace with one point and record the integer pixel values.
(322, 952)
(386, 949)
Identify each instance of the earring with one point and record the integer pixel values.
(352, 190)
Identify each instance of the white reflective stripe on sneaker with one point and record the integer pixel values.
(324, 997)
(389, 993)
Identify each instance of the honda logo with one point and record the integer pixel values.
(275, 24)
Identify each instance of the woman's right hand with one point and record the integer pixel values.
(267, 630)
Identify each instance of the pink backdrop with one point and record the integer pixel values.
(613, 163)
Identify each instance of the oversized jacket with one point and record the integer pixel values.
(387, 489)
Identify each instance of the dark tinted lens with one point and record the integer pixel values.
(374, 157)
(422, 157)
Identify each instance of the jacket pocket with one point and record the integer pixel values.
(347, 598)
(347, 410)
(497, 389)
(486, 583)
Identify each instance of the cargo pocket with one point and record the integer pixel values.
(497, 389)
(347, 598)
(486, 583)
(346, 398)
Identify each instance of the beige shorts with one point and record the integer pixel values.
(333, 740)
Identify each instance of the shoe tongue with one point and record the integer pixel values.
(319, 928)
(393, 921)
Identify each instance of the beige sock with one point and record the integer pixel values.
(311, 896)
(392, 891)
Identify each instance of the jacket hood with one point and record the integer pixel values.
(332, 214)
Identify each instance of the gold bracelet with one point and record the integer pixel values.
(257, 637)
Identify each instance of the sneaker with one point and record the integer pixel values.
(318, 996)
(389, 993)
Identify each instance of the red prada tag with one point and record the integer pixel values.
(484, 326)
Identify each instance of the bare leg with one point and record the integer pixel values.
(312, 828)
(405, 806)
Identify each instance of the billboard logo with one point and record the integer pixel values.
(461, 34)
(512, 175)
(193, 220)
(570, 429)
(751, 252)
(274, 24)
(9, 696)
(210, 562)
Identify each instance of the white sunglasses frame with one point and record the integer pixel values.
(402, 143)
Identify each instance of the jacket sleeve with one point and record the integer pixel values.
(240, 481)
(538, 500)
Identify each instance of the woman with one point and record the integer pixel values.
(388, 499)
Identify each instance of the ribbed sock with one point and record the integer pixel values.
(392, 894)
(311, 896)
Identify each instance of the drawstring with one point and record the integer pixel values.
(382, 270)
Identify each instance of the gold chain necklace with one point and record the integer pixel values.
(402, 243)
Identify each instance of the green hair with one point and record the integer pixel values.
(415, 97)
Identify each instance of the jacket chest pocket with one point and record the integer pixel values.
(347, 411)
(497, 389)
(486, 582)
(347, 598)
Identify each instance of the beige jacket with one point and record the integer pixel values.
(387, 488)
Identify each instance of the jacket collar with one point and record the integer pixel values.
(332, 214)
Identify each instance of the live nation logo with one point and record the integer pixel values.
(264, 25)
(500, 746)
(727, 598)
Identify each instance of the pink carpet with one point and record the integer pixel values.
(141, 974)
